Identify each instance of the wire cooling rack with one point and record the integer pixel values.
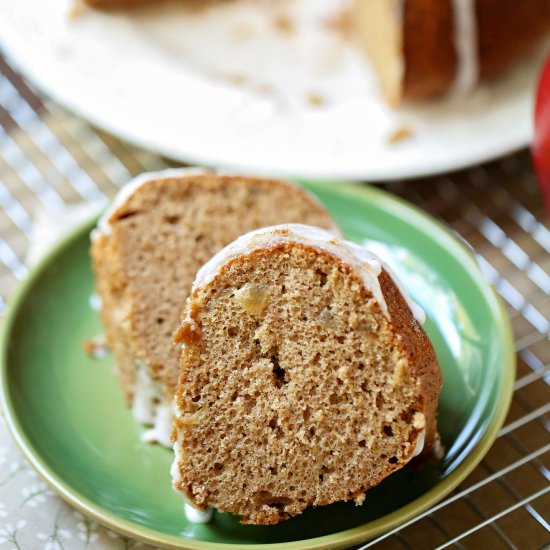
(50, 159)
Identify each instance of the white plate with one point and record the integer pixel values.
(236, 85)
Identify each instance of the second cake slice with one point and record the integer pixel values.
(146, 251)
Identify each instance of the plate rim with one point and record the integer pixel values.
(344, 538)
(9, 40)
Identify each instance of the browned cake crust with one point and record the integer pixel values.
(295, 388)
(429, 55)
(508, 30)
(160, 237)
(420, 354)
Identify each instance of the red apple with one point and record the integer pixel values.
(541, 141)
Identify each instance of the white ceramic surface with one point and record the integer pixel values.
(256, 86)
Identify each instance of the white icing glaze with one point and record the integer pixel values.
(95, 301)
(416, 310)
(151, 406)
(419, 443)
(162, 426)
(197, 516)
(103, 225)
(174, 469)
(465, 37)
(146, 392)
(367, 264)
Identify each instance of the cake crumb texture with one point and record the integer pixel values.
(307, 395)
(159, 238)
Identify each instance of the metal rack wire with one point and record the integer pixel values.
(50, 159)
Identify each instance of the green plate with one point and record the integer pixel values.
(66, 412)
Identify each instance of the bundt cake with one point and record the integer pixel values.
(421, 49)
(306, 376)
(425, 48)
(146, 251)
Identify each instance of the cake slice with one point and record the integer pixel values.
(146, 251)
(306, 377)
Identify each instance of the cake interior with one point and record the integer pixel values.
(294, 391)
(161, 236)
(382, 42)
